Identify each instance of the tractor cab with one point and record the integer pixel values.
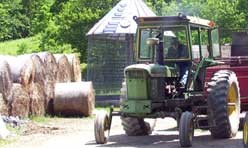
(173, 47)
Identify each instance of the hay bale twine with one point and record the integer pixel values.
(74, 99)
(5, 79)
(22, 69)
(3, 106)
(19, 101)
(37, 100)
(75, 67)
(64, 70)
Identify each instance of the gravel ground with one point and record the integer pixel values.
(79, 133)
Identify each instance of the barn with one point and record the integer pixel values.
(110, 47)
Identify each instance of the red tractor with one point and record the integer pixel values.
(238, 62)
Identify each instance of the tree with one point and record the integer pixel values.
(242, 8)
(38, 12)
(57, 6)
(13, 23)
(227, 14)
(72, 23)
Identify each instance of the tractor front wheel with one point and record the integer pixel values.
(186, 129)
(101, 127)
(223, 104)
(135, 126)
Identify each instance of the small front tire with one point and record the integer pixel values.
(186, 129)
(101, 127)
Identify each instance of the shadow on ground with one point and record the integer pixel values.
(167, 141)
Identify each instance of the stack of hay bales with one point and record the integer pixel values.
(75, 98)
(36, 84)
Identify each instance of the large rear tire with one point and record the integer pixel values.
(245, 131)
(224, 104)
(131, 125)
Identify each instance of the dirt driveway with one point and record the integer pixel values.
(79, 133)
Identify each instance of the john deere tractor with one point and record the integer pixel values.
(171, 79)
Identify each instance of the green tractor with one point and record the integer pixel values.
(171, 79)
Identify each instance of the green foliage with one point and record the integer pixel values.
(73, 20)
(40, 119)
(38, 13)
(57, 6)
(242, 8)
(49, 40)
(227, 14)
(83, 68)
(4, 142)
(20, 46)
(63, 24)
(13, 23)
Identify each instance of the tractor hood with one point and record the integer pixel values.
(155, 70)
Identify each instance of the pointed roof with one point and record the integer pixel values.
(119, 20)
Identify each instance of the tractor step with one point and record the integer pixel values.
(231, 104)
(201, 122)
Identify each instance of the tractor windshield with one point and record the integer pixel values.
(174, 42)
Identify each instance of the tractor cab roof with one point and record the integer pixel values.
(174, 20)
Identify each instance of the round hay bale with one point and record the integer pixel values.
(37, 99)
(51, 69)
(22, 69)
(64, 70)
(3, 106)
(50, 65)
(50, 95)
(19, 101)
(74, 99)
(5, 79)
(39, 69)
(75, 67)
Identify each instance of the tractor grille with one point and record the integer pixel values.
(157, 89)
(136, 74)
(137, 85)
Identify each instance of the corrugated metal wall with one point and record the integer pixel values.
(107, 58)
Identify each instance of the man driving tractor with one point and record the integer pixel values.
(179, 51)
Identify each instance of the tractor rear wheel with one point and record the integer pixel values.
(224, 104)
(245, 131)
(131, 125)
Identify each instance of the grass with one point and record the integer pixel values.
(5, 142)
(41, 119)
(15, 47)
(9, 140)
(102, 92)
